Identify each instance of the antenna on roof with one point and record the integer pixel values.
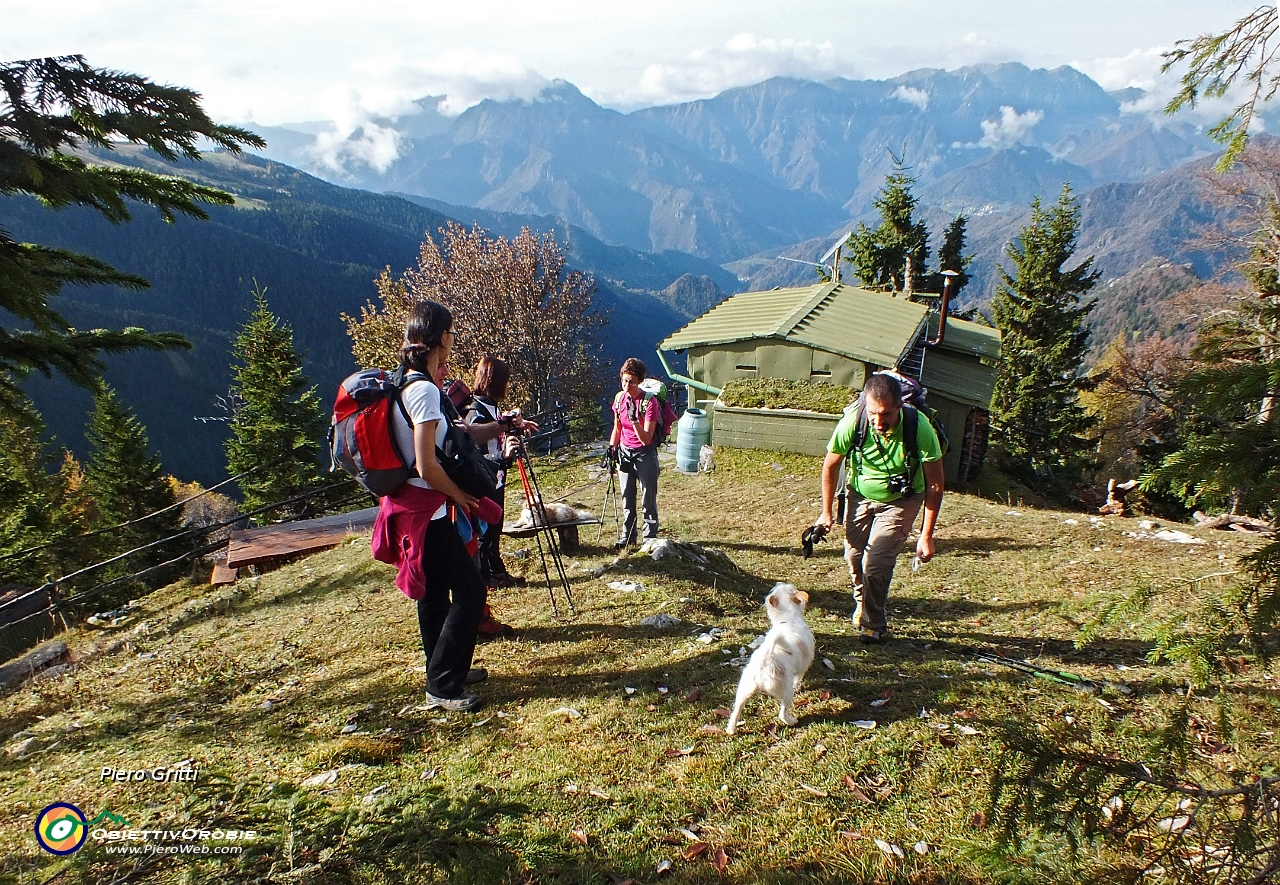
(832, 256)
(831, 260)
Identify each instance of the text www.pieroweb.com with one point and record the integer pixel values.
(150, 848)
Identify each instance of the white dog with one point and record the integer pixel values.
(556, 514)
(782, 659)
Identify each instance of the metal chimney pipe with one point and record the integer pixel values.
(947, 277)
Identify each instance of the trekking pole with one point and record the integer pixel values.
(610, 494)
(1062, 677)
(533, 499)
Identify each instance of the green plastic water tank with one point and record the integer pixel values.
(694, 432)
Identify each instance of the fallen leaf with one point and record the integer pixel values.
(673, 753)
(567, 712)
(819, 750)
(664, 867)
(947, 740)
(710, 729)
(979, 819)
(824, 695)
(921, 847)
(851, 835)
(696, 849)
(962, 714)
(323, 779)
(693, 695)
(826, 662)
(600, 795)
(688, 834)
(721, 860)
(889, 848)
(652, 708)
(865, 723)
(855, 790)
(721, 712)
(615, 879)
(1173, 824)
(814, 790)
(967, 730)
(580, 835)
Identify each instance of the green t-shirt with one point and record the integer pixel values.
(882, 457)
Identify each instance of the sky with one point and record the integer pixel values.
(280, 62)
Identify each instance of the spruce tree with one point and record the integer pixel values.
(280, 424)
(879, 254)
(126, 483)
(1038, 310)
(951, 256)
(50, 108)
(32, 501)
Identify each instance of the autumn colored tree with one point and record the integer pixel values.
(515, 298)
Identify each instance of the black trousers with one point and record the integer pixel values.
(450, 612)
(491, 566)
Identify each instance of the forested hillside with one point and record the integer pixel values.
(315, 247)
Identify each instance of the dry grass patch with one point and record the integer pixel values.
(599, 752)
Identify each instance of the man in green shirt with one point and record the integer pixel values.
(887, 486)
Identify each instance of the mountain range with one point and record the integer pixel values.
(762, 167)
(670, 208)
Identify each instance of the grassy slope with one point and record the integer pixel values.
(498, 796)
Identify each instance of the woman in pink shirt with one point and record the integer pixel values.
(635, 420)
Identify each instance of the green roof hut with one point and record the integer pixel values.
(839, 334)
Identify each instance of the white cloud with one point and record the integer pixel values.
(363, 130)
(742, 60)
(1009, 129)
(911, 95)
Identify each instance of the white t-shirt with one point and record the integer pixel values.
(421, 400)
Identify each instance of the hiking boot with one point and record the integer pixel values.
(463, 703)
(474, 675)
(872, 637)
(491, 628)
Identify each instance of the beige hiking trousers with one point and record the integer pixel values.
(874, 535)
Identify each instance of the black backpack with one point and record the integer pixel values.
(462, 459)
(914, 405)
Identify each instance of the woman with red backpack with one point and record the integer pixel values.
(634, 448)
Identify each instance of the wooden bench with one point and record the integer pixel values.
(567, 531)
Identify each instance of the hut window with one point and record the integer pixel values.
(744, 368)
(821, 373)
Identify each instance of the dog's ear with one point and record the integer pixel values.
(772, 600)
(801, 598)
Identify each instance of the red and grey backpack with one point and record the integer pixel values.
(361, 438)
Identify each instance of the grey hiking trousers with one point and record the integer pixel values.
(644, 470)
(874, 535)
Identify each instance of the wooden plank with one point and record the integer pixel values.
(523, 531)
(32, 663)
(287, 539)
(222, 574)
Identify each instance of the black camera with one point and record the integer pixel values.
(900, 484)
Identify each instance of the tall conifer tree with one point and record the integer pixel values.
(1039, 311)
(879, 255)
(126, 484)
(280, 424)
(49, 107)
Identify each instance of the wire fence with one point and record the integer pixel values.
(50, 587)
